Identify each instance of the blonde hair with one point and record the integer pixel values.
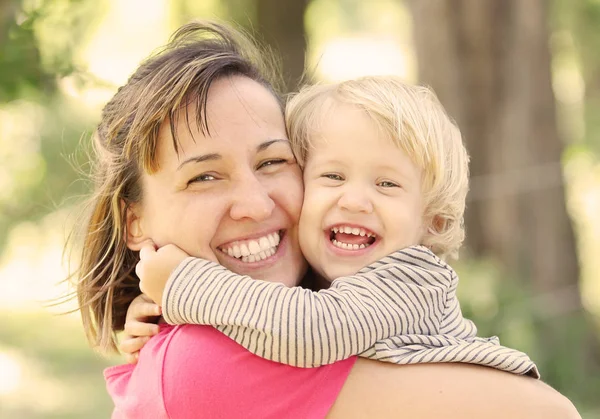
(415, 120)
(124, 145)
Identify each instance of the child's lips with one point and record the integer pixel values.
(354, 229)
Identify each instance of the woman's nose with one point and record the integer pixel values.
(251, 200)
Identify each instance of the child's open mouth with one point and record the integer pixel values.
(351, 238)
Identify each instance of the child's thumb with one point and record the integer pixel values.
(147, 250)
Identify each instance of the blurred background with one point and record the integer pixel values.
(522, 79)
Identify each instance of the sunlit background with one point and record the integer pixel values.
(61, 60)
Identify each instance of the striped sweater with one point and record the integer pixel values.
(401, 309)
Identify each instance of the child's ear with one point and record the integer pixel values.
(134, 233)
(437, 225)
(432, 227)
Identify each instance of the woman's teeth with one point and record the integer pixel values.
(254, 250)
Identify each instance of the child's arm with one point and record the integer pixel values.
(404, 293)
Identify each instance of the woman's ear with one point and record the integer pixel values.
(134, 233)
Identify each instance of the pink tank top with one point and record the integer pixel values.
(196, 372)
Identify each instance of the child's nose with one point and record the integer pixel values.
(355, 201)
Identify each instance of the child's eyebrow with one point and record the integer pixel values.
(319, 161)
(398, 168)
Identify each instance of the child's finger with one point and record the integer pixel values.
(132, 345)
(142, 310)
(138, 329)
(132, 358)
(139, 270)
(147, 250)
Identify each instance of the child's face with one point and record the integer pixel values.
(362, 198)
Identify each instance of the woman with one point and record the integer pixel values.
(193, 151)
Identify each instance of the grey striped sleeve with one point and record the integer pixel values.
(419, 349)
(403, 294)
(456, 341)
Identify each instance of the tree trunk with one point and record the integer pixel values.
(489, 63)
(281, 23)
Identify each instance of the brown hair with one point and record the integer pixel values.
(124, 145)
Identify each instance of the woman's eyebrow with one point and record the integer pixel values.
(267, 144)
(200, 159)
(217, 156)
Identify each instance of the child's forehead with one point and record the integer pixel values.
(338, 120)
(351, 134)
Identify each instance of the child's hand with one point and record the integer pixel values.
(140, 326)
(155, 267)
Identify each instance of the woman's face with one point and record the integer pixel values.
(233, 196)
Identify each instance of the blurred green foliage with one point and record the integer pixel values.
(41, 127)
(62, 375)
(500, 306)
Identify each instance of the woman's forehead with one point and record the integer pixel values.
(239, 113)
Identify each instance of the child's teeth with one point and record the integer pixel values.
(349, 246)
(357, 231)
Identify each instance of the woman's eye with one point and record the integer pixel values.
(388, 184)
(272, 162)
(333, 176)
(202, 178)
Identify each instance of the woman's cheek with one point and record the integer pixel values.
(289, 191)
(196, 224)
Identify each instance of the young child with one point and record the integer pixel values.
(386, 176)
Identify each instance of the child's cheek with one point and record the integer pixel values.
(310, 219)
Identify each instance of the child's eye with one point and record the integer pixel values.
(271, 162)
(333, 176)
(388, 184)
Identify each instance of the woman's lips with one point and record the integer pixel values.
(256, 253)
(255, 249)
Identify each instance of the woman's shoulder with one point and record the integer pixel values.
(448, 390)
